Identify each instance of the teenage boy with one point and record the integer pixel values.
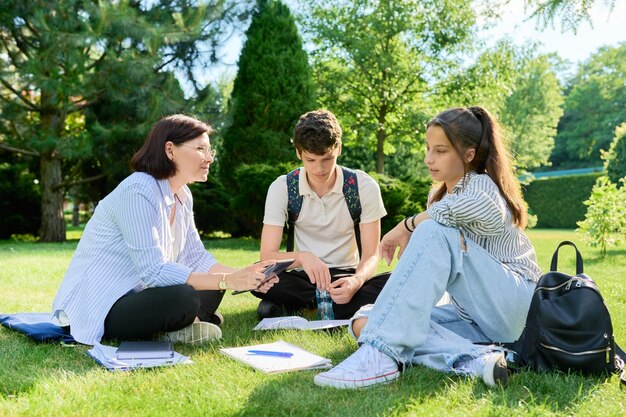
(326, 251)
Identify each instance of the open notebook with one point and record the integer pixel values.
(288, 357)
(300, 323)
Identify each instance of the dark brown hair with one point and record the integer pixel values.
(475, 128)
(177, 128)
(317, 132)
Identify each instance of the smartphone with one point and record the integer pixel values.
(277, 268)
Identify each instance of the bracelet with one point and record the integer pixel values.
(413, 220)
(406, 226)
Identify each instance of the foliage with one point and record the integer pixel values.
(519, 86)
(605, 220)
(401, 198)
(249, 203)
(558, 202)
(615, 157)
(272, 89)
(532, 111)
(212, 207)
(595, 104)
(19, 200)
(570, 12)
(63, 62)
(374, 60)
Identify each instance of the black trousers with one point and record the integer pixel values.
(294, 291)
(160, 309)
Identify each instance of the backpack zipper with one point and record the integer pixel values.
(568, 283)
(587, 352)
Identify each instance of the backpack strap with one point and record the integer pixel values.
(579, 259)
(351, 194)
(620, 357)
(294, 204)
(350, 190)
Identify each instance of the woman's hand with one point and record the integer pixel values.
(397, 237)
(251, 278)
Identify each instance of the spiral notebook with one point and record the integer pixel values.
(283, 357)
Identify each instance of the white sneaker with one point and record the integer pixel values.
(196, 332)
(491, 367)
(366, 367)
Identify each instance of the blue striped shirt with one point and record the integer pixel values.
(477, 208)
(127, 246)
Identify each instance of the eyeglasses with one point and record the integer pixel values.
(206, 152)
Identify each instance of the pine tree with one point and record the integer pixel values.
(65, 61)
(273, 88)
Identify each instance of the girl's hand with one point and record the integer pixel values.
(396, 237)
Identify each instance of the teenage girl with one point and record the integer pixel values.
(469, 243)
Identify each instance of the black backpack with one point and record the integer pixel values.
(568, 326)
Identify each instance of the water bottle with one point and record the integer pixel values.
(324, 305)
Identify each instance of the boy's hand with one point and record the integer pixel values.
(343, 289)
(316, 270)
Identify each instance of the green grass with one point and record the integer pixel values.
(44, 379)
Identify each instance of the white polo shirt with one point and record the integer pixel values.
(324, 226)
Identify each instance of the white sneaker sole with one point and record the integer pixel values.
(324, 380)
(197, 332)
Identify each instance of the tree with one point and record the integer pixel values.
(272, 89)
(374, 61)
(531, 113)
(615, 157)
(595, 104)
(519, 86)
(59, 59)
(605, 221)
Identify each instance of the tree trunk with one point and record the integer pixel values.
(380, 154)
(52, 221)
(76, 213)
(381, 135)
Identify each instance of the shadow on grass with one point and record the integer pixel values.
(25, 362)
(422, 391)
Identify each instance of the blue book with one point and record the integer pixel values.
(145, 350)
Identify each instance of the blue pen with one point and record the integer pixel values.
(271, 353)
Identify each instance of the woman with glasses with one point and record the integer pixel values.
(140, 270)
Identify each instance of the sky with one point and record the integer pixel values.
(607, 28)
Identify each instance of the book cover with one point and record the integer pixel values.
(280, 359)
(299, 323)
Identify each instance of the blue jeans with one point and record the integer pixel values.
(404, 322)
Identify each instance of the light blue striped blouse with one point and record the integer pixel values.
(476, 207)
(125, 247)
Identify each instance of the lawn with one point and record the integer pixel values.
(40, 379)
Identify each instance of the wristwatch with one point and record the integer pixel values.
(222, 285)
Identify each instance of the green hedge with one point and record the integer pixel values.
(401, 198)
(20, 201)
(558, 202)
